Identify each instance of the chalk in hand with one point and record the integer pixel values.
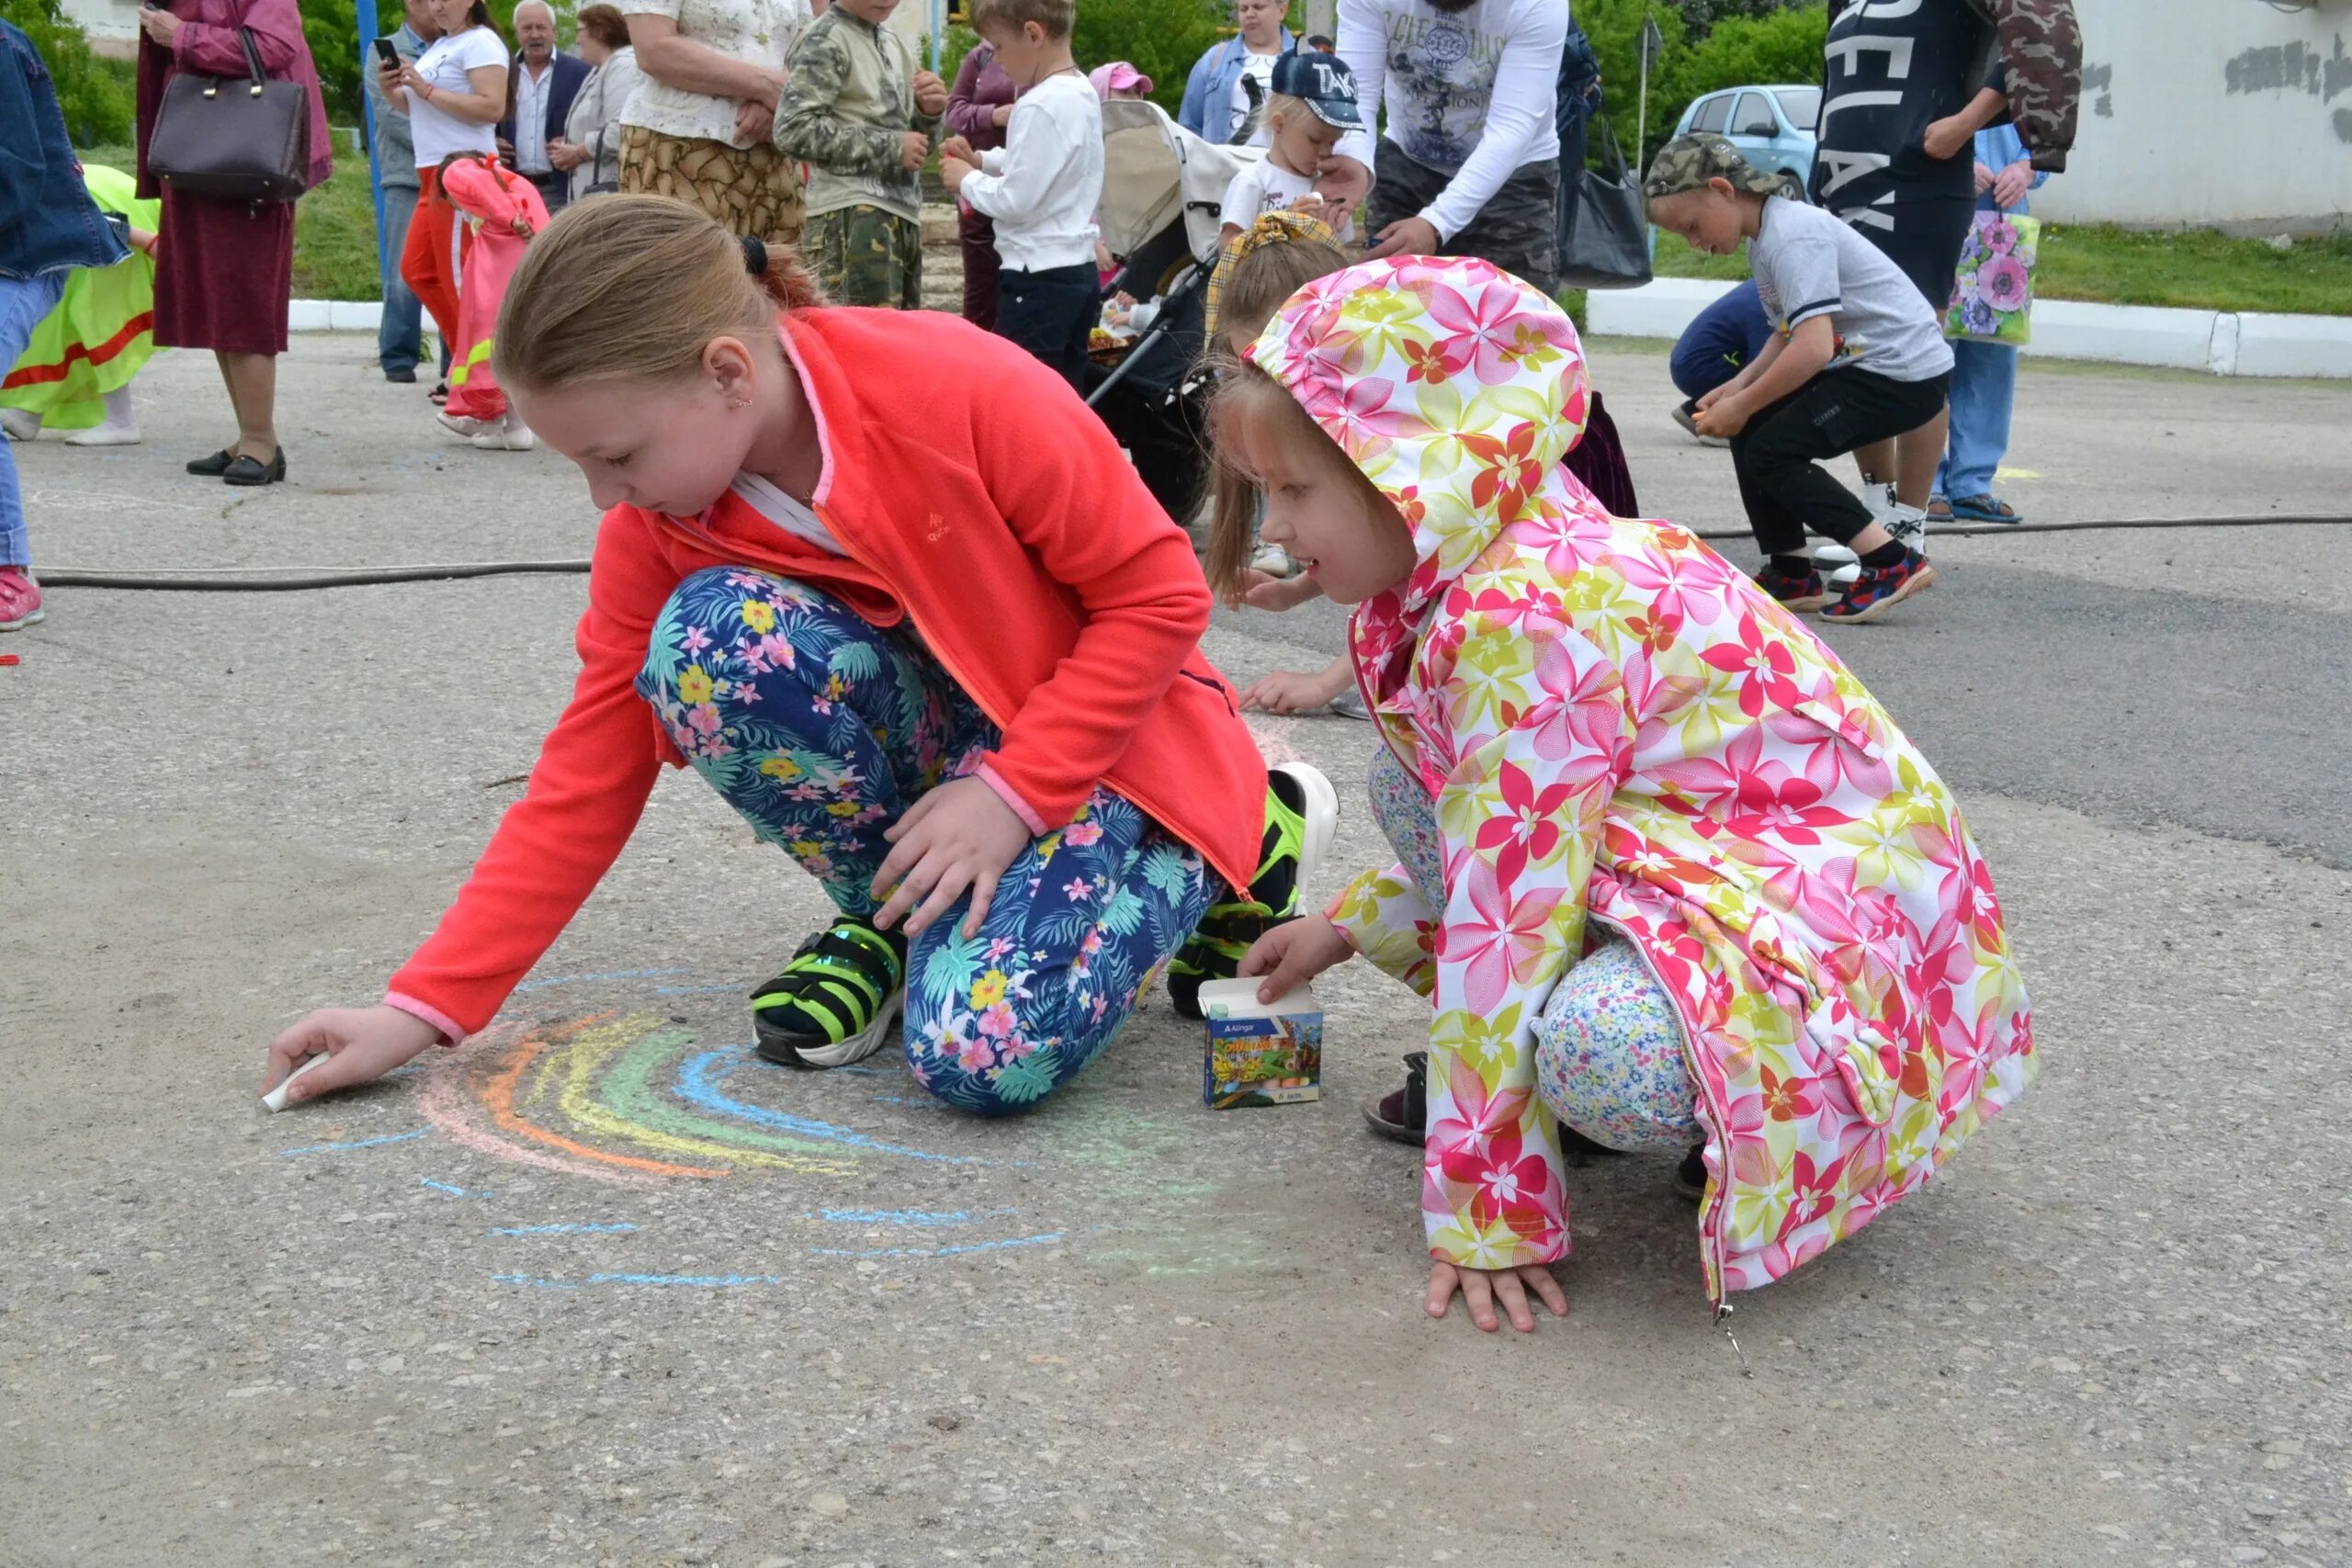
(276, 1098)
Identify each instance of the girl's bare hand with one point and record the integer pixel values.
(1292, 691)
(1482, 1288)
(1263, 590)
(1295, 953)
(365, 1043)
(962, 835)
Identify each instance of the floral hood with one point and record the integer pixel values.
(1456, 388)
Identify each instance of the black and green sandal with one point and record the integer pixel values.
(836, 1001)
(1302, 814)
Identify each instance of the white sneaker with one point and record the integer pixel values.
(1274, 562)
(1910, 526)
(107, 435)
(19, 425)
(510, 434)
(460, 424)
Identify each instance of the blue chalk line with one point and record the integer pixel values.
(1046, 1240)
(361, 1144)
(445, 1187)
(560, 1230)
(698, 1081)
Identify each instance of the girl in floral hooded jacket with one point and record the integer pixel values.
(1667, 871)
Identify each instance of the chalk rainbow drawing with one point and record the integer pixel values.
(628, 1098)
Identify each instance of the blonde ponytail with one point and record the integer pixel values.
(633, 288)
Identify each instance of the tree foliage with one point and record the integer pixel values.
(1780, 44)
(96, 95)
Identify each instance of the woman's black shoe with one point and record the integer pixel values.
(212, 468)
(248, 471)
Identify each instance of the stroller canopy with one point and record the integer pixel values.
(1156, 173)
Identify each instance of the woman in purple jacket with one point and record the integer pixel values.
(224, 271)
(978, 105)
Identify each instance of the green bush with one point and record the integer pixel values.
(1778, 46)
(96, 95)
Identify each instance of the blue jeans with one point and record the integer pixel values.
(1984, 391)
(820, 732)
(400, 335)
(1720, 342)
(23, 302)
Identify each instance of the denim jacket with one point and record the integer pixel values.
(47, 222)
(1207, 110)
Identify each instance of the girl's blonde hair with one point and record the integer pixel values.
(1283, 104)
(1247, 398)
(1268, 271)
(633, 288)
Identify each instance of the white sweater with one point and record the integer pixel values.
(1043, 186)
(1472, 94)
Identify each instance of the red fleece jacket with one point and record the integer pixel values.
(974, 493)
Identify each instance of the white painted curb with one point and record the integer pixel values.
(2224, 342)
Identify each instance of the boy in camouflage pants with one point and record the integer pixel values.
(862, 117)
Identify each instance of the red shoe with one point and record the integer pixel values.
(19, 598)
(1881, 588)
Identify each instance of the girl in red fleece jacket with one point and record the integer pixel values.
(885, 584)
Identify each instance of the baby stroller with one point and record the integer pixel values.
(1162, 189)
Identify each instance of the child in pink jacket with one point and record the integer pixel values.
(500, 210)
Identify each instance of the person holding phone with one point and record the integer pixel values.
(455, 92)
(400, 335)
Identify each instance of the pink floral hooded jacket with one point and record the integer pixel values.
(1616, 726)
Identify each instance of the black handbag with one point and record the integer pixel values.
(233, 137)
(1604, 223)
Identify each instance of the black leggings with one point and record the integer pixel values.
(1778, 456)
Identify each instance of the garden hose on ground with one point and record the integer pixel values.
(287, 580)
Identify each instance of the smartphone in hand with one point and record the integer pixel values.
(387, 55)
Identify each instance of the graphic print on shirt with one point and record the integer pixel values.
(1891, 69)
(1443, 71)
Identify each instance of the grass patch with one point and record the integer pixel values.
(335, 226)
(2196, 269)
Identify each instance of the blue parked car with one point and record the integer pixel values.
(1772, 128)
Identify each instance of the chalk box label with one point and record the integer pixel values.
(1259, 1053)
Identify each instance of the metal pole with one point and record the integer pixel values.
(368, 36)
(938, 25)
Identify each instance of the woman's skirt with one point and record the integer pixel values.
(752, 191)
(225, 274)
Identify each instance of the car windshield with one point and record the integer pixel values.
(1801, 104)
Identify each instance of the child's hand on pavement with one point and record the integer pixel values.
(931, 94)
(913, 147)
(362, 1043)
(962, 835)
(1295, 953)
(1481, 1288)
(1723, 417)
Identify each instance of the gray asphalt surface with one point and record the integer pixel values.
(599, 1289)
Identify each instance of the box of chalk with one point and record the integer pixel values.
(1259, 1052)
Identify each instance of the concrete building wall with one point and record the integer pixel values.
(2226, 113)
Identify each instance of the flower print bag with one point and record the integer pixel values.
(1992, 301)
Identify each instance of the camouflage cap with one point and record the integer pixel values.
(1688, 162)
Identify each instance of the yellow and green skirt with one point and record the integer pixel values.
(102, 330)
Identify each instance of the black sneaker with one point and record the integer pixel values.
(1881, 588)
(836, 1001)
(1691, 1176)
(1302, 813)
(1402, 1114)
(1796, 591)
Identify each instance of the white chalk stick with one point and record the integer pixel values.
(276, 1098)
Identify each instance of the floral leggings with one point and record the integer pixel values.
(1609, 1051)
(822, 730)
